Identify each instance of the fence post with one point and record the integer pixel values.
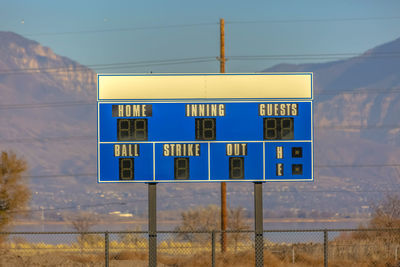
(293, 254)
(106, 244)
(213, 249)
(325, 248)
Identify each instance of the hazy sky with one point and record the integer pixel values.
(297, 31)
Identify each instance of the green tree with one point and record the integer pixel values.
(14, 192)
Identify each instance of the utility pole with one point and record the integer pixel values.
(222, 46)
(224, 219)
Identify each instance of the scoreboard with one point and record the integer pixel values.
(205, 127)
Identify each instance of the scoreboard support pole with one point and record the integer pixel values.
(152, 201)
(258, 224)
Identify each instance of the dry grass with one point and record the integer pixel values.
(362, 250)
(10, 259)
(311, 258)
(202, 259)
(240, 259)
(87, 259)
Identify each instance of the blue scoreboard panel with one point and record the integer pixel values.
(205, 128)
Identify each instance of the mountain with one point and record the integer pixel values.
(360, 92)
(357, 126)
(357, 107)
(20, 60)
(48, 116)
(35, 85)
(377, 68)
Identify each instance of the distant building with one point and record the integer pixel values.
(118, 213)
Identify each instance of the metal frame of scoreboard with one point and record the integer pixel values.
(205, 127)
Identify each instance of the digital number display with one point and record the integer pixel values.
(278, 128)
(132, 129)
(205, 129)
(181, 168)
(236, 168)
(126, 168)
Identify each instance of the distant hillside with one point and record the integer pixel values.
(49, 117)
(21, 60)
(378, 68)
(375, 75)
(38, 120)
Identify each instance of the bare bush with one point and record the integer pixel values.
(199, 219)
(208, 219)
(238, 223)
(133, 238)
(387, 213)
(82, 223)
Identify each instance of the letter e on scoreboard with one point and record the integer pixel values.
(279, 169)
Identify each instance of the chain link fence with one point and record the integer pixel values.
(317, 247)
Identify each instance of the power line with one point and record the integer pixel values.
(93, 174)
(118, 64)
(83, 103)
(74, 207)
(92, 137)
(359, 127)
(157, 27)
(201, 193)
(316, 56)
(325, 191)
(359, 91)
(358, 165)
(49, 139)
(79, 103)
(62, 175)
(312, 20)
(45, 105)
(122, 65)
